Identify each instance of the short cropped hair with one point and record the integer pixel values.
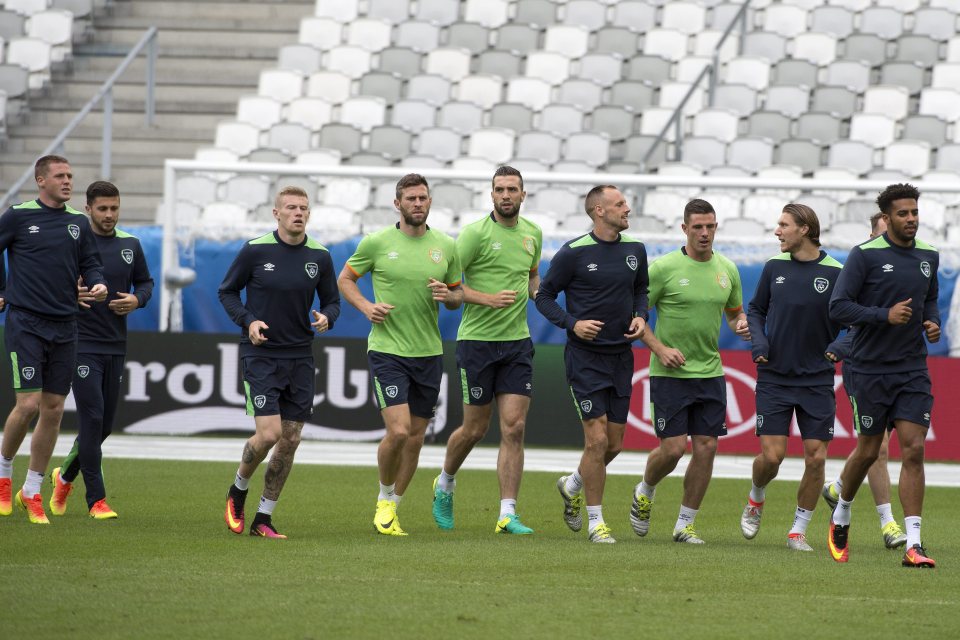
(40, 168)
(290, 191)
(875, 221)
(505, 170)
(101, 189)
(697, 205)
(896, 192)
(804, 215)
(593, 198)
(411, 180)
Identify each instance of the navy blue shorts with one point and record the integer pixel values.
(600, 383)
(879, 399)
(489, 368)
(42, 352)
(411, 381)
(816, 409)
(688, 406)
(283, 386)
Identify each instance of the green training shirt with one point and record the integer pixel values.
(690, 298)
(401, 267)
(495, 257)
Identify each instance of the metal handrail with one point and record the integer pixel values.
(711, 69)
(105, 93)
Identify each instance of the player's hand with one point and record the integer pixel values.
(99, 292)
(3, 303)
(438, 289)
(671, 358)
(255, 332)
(320, 322)
(743, 329)
(124, 303)
(761, 360)
(932, 330)
(900, 313)
(587, 329)
(84, 297)
(378, 312)
(637, 327)
(502, 299)
(831, 356)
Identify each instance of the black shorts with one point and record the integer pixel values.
(490, 368)
(411, 381)
(600, 383)
(880, 399)
(816, 409)
(688, 406)
(42, 352)
(283, 386)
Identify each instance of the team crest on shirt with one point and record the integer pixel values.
(925, 268)
(74, 231)
(866, 421)
(83, 371)
(632, 262)
(586, 405)
(723, 280)
(529, 245)
(27, 373)
(476, 392)
(391, 391)
(259, 401)
(821, 284)
(312, 269)
(436, 255)
(759, 422)
(661, 424)
(127, 255)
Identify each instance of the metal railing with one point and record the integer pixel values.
(104, 94)
(709, 70)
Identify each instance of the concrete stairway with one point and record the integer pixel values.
(210, 53)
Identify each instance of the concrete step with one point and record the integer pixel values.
(128, 171)
(159, 148)
(278, 10)
(142, 133)
(247, 77)
(172, 41)
(204, 67)
(58, 118)
(179, 93)
(232, 22)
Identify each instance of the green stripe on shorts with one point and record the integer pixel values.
(246, 392)
(856, 414)
(16, 369)
(576, 404)
(463, 386)
(380, 400)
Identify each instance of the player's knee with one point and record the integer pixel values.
(772, 458)
(513, 431)
(911, 453)
(883, 455)
(28, 404)
(596, 444)
(614, 448)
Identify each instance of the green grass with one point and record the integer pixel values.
(169, 568)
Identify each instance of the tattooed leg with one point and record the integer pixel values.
(258, 446)
(282, 459)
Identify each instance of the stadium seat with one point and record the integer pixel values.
(839, 101)
(332, 224)
(462, 117)
(518, 117)
(705, 44)
(590, 148)
(738, 98)
(415, 115)
(539, 144)
(892, 101)
(349, 60)
(418, 36)
(26, 7)
(604, 69)
(321, 33)
(885, 22)
(504, 64)
(686, 17)
(631, 93)
(571, 41)
(946, 75)
(921, 49)
(667, 43)
(678, 169)
(261, 111)
(302, 58)
(837, 21)
(542, 13)
(726, 206)
(488, 13)
(452, 64)
(250, 190)
(663, 205)
(769, 124)
(723, 14)
(703, 153)
(555, 200)
(927, 128)
(442, 144)
(789, 100)
(819, 126)
(636, 148)
(352, 194)
(649, 68)
(363, 112)
(866, 47)
(371, 34)
(496, 145)
(948, 157)
(792, 73)
(589, 13)
(442, 12)
(672, 93)
(392, 142)
(393, 11)
(831, 174)
(470, 36)
(619, 40)
(763, 208)
(559, 119)
(533, 92)
(752, 72)
(785, 20)
(852, 74)
(485, 91)
(616, 122)
(760, 44)
(388, 86)
(800, 152)
(935, 23)
(223, 215)
(818, 48)
(55, 27)
(824, 206)
(750, 153)
(852, 155)
(690, 68)
(239, 137)
(639, 15)
(282, 85)
(943, 103)
(319, 157)
(716, 123)
(953, 49)
(910, 157)
(653, 119)
(199, 190)
(584, 94)
(402, 61)
(906, 74)
(289, 137)
(34, 55)
(517, 38)
(342, 137)
(552, 68)
(781, 172)
(431, 88)
(419, 162)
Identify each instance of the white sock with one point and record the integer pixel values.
(644, 489)
(240, 482)
(687, 516)
(912, 525)
(6, 467)
(841, 515)
(594, 516)
(446, 482)
(801, 518)
(574, 483)
(387, 492)
(508, 507)
(397, 498)
(31, 486)
(838, 484)
(886, 514)
(266, 506)
(757, 494)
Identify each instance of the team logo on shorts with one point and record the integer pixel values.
(83, 371)
(821, 284)
(312, 269)
(391, 391)
(476, 392)
(723, 280)
(73, 230)
(632, 262)
(661, 424)
(925, 268)
(27, 373)
(759, 422)
(436, 255)
(259, 401)
(866, 421)
(586, 405)
(926, 417)
(127, 255)
(529, 245)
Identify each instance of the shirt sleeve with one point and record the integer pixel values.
(8, 228)
(233, 282)
(537, 238)
(844, 307)
(641, 286)
(363, 258)
(757, 316)
(735, 300)
(842, 347)
(466, 247)
(454, 268)
(91, 268)
(142, 281)
(557, 278)
(655, 284)
(327, 291)
(931, 308)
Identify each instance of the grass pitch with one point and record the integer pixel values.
(168, 567)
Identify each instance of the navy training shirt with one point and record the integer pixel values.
(280, 280)
(605, 281)
(877, 275)
(789, 318)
